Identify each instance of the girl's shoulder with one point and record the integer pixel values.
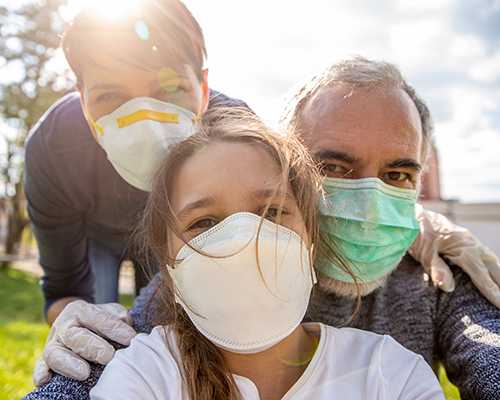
(146, 369)
(347, 359)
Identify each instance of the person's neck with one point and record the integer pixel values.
(275, 370)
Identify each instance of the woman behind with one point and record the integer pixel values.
(232, 220)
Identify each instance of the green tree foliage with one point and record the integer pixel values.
(31, 79)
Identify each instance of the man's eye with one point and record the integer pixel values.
(397, 176)
(175, 96)
(202, 224)
(332, 168)
(108, 97)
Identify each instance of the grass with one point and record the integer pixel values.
(23, 332)
(450, 391)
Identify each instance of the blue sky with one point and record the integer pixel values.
(449, 50)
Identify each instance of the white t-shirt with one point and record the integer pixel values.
(348, 364)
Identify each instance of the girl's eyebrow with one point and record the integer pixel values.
(201, 203)
(265, 194)
(262, 194)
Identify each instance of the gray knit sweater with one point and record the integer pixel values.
(460, 329)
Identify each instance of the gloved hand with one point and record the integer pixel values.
(75, 336)
(439, 236)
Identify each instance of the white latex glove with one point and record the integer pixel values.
(439, 236)
(75, 336)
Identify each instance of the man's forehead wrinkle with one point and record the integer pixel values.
(321, 102)
(335, 113)
(348, 135)
(307, 116)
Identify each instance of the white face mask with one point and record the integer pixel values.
(230, 301)
(137, 137)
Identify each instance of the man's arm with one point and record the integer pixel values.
(57, 212)
(468, 329)
(57, 217)
(439, 237)
(143, 314)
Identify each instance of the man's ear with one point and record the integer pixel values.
(205, 91)
(80, 94)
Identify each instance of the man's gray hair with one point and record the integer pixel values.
(358, 72)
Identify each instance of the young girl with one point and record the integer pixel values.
(232, 218)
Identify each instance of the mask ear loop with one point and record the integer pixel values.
(311, 258)
(96, 127)
(199, 110)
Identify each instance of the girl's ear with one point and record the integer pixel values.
(205, 91)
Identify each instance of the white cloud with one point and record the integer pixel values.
(412, 6)
(487, 69)
(469, 107)
(420, 43)
(468, 146)
(463, 47)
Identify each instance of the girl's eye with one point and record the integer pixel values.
(272, 213)
(202, 224)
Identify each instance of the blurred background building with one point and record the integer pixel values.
(482, 219)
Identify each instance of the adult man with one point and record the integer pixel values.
(361, 120)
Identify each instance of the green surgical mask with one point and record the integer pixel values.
(372, 224)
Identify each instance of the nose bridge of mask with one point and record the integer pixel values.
(141, 109)
(243, 225)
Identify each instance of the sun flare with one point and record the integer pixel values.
(111, 9)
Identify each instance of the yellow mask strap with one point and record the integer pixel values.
(96, 127)
(146, 114)
(199, 111)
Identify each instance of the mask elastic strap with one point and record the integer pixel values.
(199, 110)
(97, 128)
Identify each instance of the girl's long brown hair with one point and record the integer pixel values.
(205, 374)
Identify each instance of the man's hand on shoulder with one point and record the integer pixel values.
(77, 335)
(439, 237)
